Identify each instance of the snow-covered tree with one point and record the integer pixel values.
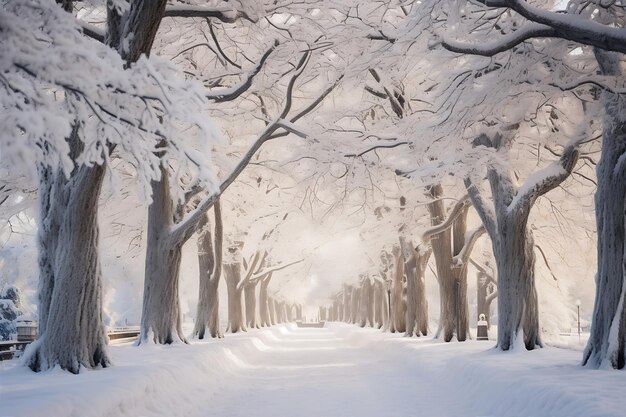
(70, 102)
(599, 26)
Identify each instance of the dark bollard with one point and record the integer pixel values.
(481, 328)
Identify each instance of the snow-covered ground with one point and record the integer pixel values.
(340, 370)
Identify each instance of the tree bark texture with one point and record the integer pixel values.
(210, 268)
(453, 308)
(71, 329)
(517, 295)
(161, 319)
(607, 343)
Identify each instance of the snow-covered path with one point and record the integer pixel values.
(336, 371)
(316, 372)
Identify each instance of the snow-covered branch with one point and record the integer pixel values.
(569, 26)
(471, 238)
(373, 148)
(261, 274)
(545, 179)
(486, 214)
(504, 43)
(92, 31)
(181, 231)
(456, 211)
(231, 93)
(226, 15)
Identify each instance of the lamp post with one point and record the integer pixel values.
(388, 285)
(578, 313)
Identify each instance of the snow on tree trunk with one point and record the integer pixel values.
(50, 209)
(250, 299)
(459, 274)
(232, 272)
(607, 343)
(452, 285)
(506, 221)
(72, 332)
(209, 263)
(264, 302)
(161, 318)
(517, 295)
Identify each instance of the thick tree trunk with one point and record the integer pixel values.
(161, 319)
(264, 302)
(459, 273)
(289, 312)
(441, 244)
(72, 331)
(607, 342)
(299, 312)
(250, 298)
(236, 322)
(209, 263)
(517, 296)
